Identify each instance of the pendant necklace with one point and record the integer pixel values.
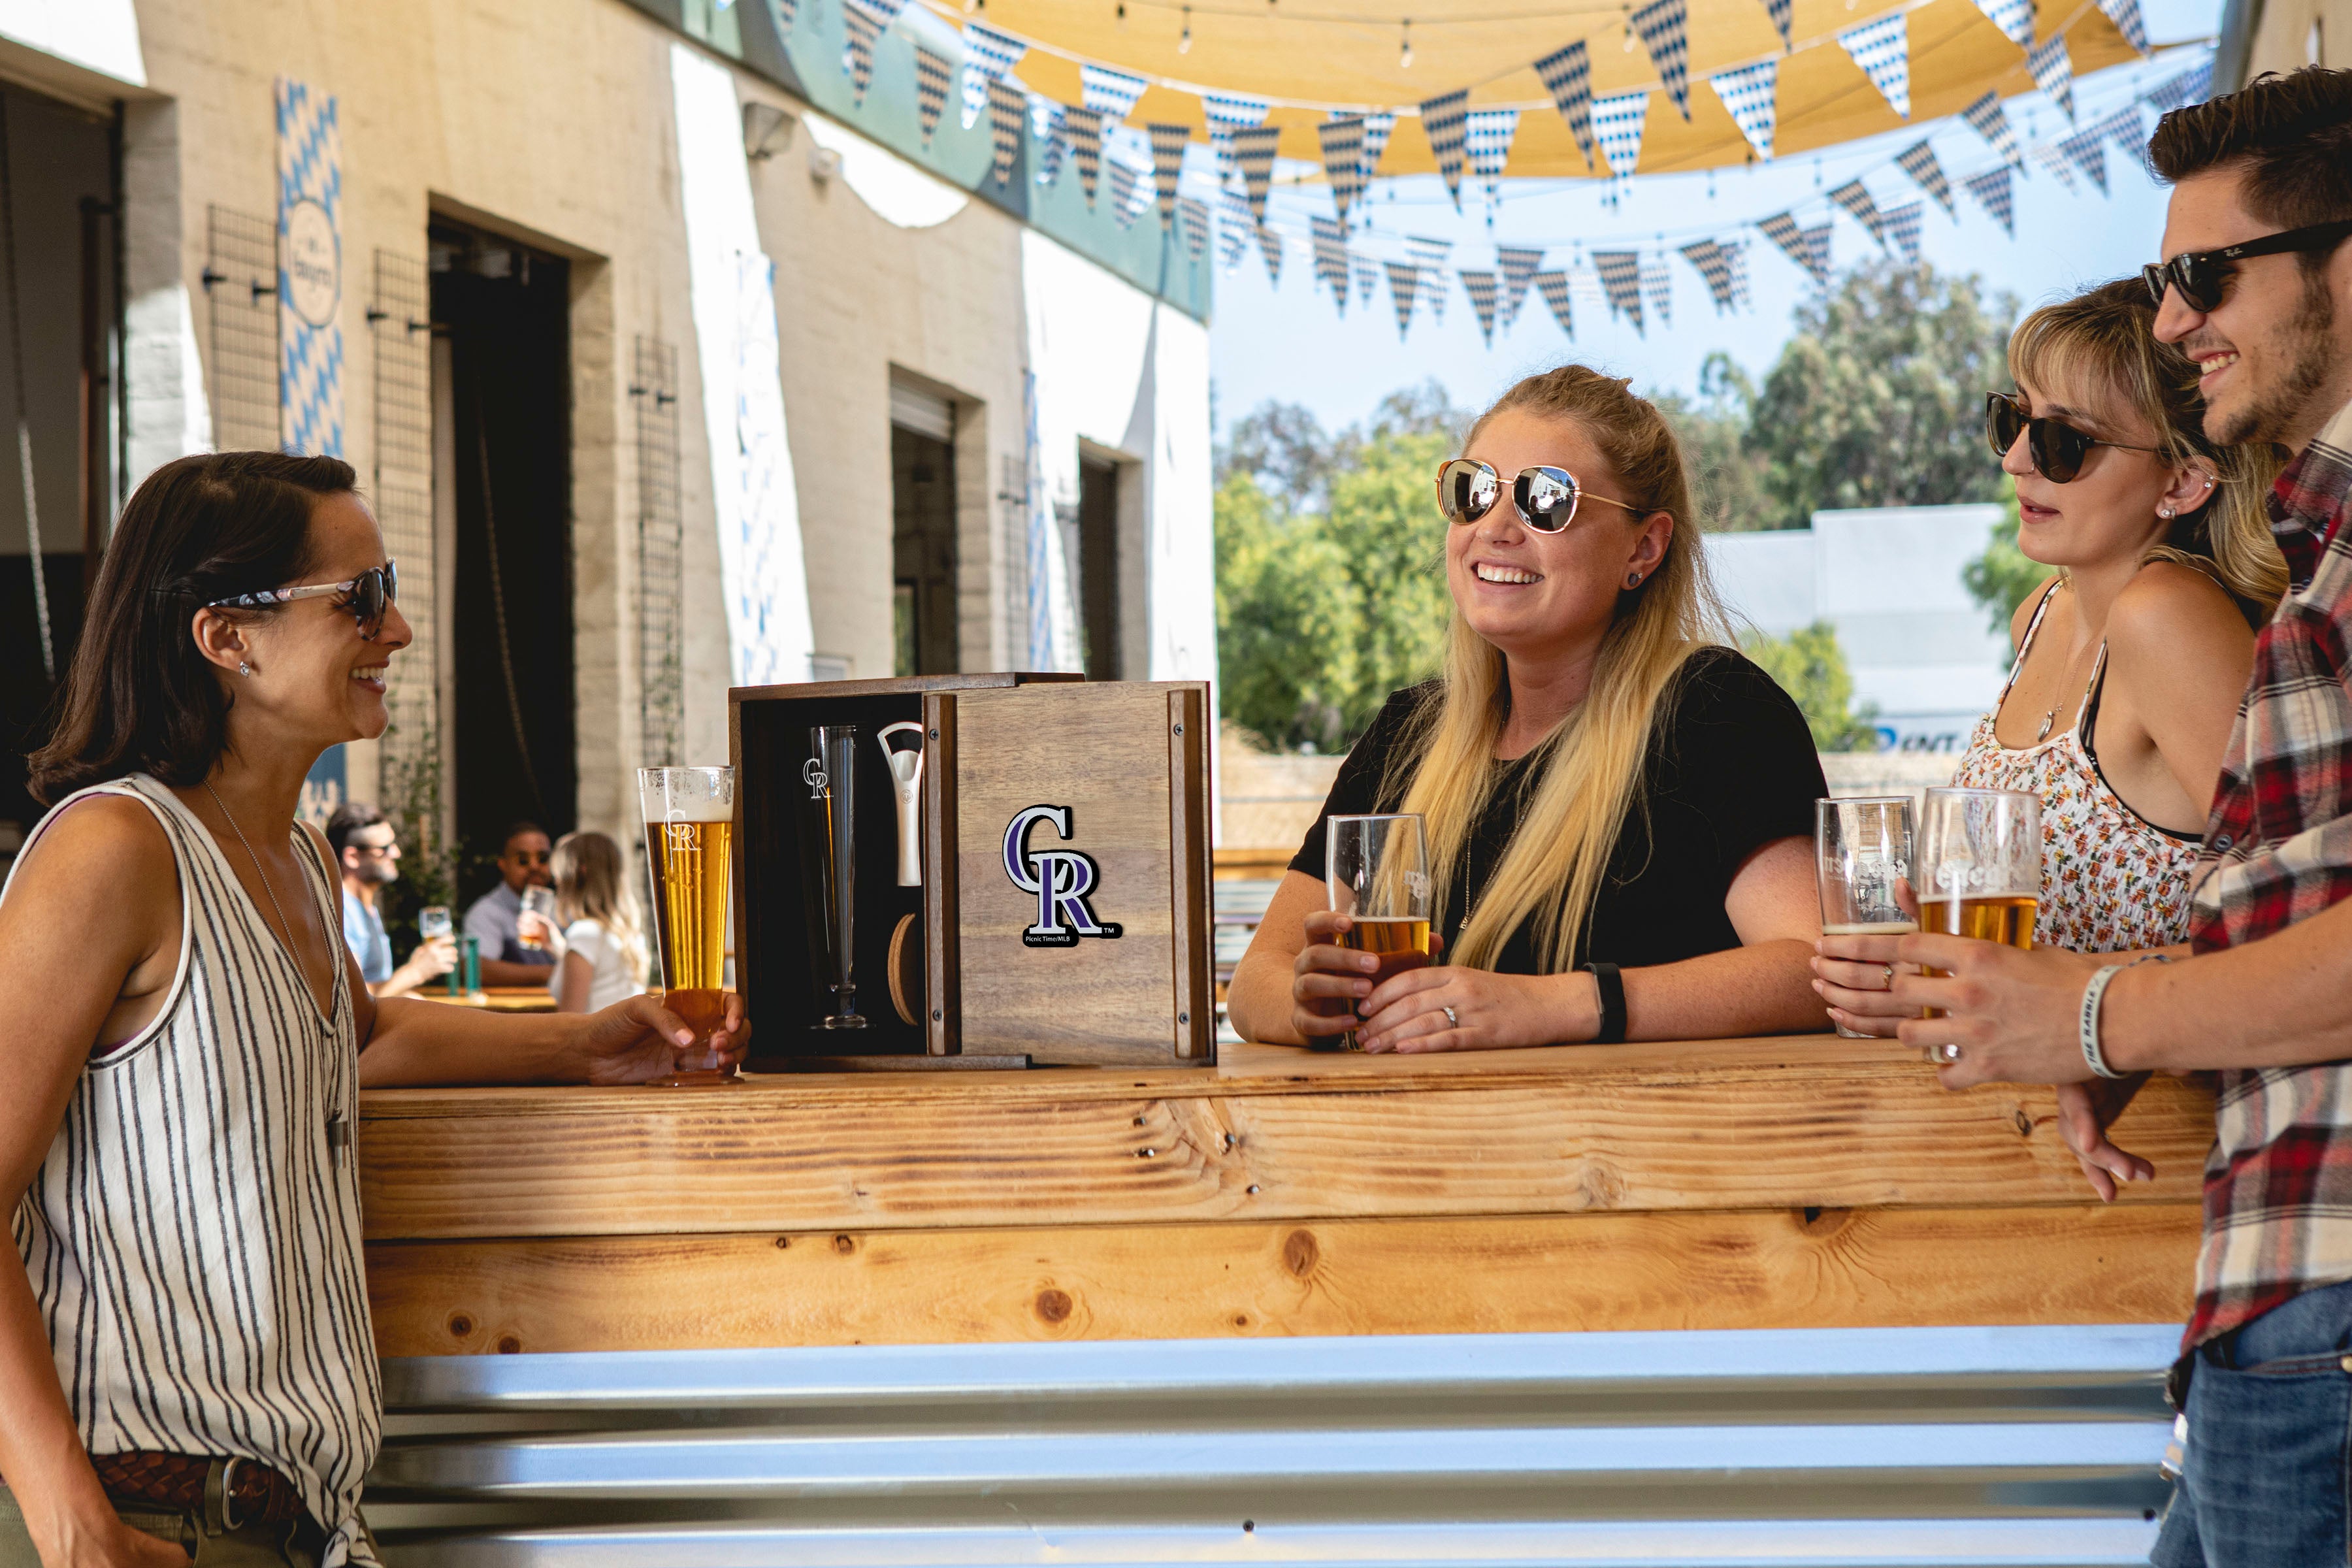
(287, 925)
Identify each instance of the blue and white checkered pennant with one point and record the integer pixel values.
(1480, 287)
(1780, 11)
(1109, 93)
(1269, 244)
(1227, 112)
(1342, 139)
(1517, 264)
(1713, 264)
(1192, 222)
(1167, 144)
(2177, 92)
(863, 22)
(1918, 161)
(2054, 71)
(1750, 94)
(2125, 14)
(1664, 30)
(1127, 194)
(1375, 142)
(1253, 150)
(1086, 129)
(2053, 162)
(1047, 134)
(2089, 155)
(1234, 226)
(1817, 241)
(1617, 125)
(2123, 129)
(1621, 279)
(1367, 277)
(1429, 259)
(1486, 139)
(1903, 225)
(1553, 286)
(1991, 191)
(2014, 17)
(987, 54)
(1782, 230)
(1989, 120)
(1007, 107)
(1330, 250)
(1882, 50)
(932, 73)
(1658, 289)
(1567, 75)
(309, 270)
(1444, 120)
(1403, 278)
(1854, 196)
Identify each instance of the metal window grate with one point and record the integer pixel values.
(399, 324)
(661, 632)
(240, 282)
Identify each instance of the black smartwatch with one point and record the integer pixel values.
(1612, 1003)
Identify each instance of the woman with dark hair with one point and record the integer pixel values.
(185, 1354)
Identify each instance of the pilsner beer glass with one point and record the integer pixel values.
(689, 838)
(1979, 866)
(829, 868)
(1862, 850)
(433, 922)
(1377, 872)
(539, 901)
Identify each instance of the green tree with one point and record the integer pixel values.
(1875, 401)
(1390, 541)
(1726, 477)
(1287, 620)
(2004, 576)
(1811, 666)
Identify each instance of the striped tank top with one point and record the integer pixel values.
(193, 1235)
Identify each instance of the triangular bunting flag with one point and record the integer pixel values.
(1109, 93)
(1855, 199)
(787, 13)
(1585, 283)
(1882, 50)
(2090, 155)
(1713, 264)
(1989, 120)
(1617, 126)
(1429, 261)
(1817, 241)
(1167, 144)
(1049, 129)
(1991, 191)
(2125, 14)
(1343, 137)
(2123, 129)
(1126, 186)
(987, 54)
(1782, 230)
(1226, 113)
(2052, 72)
(1621, 278)
(1331, 258)
(1750, 95)
(1233, 228)
(1734, 261)
(1517, 264)
(932, 74)
(1903, 228)
(1480, 287)
(1663, 26)
(1567, 75)
(1192, 220)
(1658, 289)
(1486, 140)
(1367, 277)
(1553, 286)
(1375, 142)
(2054, 162)
(1006, 109)
(1918, 161)
(1444, 120)
(1269, 244)
(863, 21)
(1253, 150)
(2177, 92)
(1086, 128)
(2014, 17)
(1402, 277)
(1780, 11)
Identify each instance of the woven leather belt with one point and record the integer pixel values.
(252, 1494)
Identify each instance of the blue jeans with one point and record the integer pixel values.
(2269, 1443)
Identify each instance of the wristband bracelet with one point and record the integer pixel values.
(1612, 1003)
(2093, 995)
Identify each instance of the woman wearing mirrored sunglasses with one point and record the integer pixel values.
(2131, 659)
(1619, 806)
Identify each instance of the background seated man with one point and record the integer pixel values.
(496, 918)
(369, 857)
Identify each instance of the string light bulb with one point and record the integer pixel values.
(1628, 40)
(1184, 40)
(1404, 46)
(1122, 15)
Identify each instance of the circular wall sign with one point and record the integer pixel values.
(313, 263)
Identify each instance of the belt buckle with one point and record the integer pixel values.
(226, 1509)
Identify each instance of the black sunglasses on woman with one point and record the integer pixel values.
(370, 592)
(2057, 448)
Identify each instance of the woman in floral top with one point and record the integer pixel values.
(2132, 657)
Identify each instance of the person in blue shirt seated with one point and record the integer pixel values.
(499, 921)
(369, 854)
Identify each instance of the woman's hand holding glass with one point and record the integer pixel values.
(1328, 981)
(1855, 975)
(1446, 1007)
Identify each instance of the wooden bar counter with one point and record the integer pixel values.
(1798, 1181)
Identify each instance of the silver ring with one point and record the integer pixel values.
(1950, 1053)
(1888, 970)
(1451, 1016)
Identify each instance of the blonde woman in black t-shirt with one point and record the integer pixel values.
(1620, 807)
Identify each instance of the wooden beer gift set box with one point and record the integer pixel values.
(992, 870)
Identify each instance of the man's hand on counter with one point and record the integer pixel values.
(639, 1040)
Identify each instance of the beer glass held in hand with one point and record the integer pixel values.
(1862, 847)
(1979, 866)
(689, 834)
(1377, 874)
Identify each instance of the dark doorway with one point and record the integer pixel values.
(506, 311)
(58, 239)
(923, 552)
(1099, 565)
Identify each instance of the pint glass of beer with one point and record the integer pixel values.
(1979, 865)
(1377, 871)
(1862, 847)
(689, 833)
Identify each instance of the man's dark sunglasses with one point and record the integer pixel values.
(2199, 274)
(2058, 449)
(370, 593)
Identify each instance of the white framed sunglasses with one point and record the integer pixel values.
(371, 591)
(1545, 497)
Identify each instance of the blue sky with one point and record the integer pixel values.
(1290, 344)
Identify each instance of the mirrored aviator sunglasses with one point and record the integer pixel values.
(1545, 497)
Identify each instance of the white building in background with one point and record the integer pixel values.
(1922, 652)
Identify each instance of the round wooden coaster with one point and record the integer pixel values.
(906, 967)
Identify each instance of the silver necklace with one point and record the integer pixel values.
(284, 924)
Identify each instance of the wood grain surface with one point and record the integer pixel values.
(1698, 1269)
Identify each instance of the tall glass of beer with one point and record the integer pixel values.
(1377, 872)
(1862, 847)
(1979, 865)
(689, 834)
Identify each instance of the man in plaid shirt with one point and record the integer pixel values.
(2257, 289)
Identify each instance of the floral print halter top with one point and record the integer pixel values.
(2111, 880)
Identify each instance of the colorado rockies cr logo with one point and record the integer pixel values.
(1061, 879)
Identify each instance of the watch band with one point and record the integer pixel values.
(1612, 1003)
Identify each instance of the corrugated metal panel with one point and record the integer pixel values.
(924, 413)
(2023, 1446)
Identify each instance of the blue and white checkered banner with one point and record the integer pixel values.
(1367, 277)
(2123, 129)
(1269, 244)
(864, 21)
(1192, 222)
(1553, 286)
(1991, 192)
(2125, 14)
(1444, 120)
(1664, 30)
(1375, 142)
(1086, 129)
(1882, 50)
(1253, 150)
(2053, 163)
(2014, 17)
(1780, 11)
(1989, 120)
(1713, 264)
(1126, 184)
(1234, 226)
(933, 71)
(1486, 140)
(1617, 122)
(1903, 228)
(1621, 279)
(1854, 196)
(1480, 287)
(1167, 144)
(2176, 92)
(1750, 96)
(1227, 112)
(1331, 258)
(1429, 259)
(1049, 136)
(1342, 139)
(2054, 71)
(1109, 93)
(1817, 242)
(2089, 155)
(310, 271)
(1567, 75)
(1658, 289)
(1517, 264)
(1402, 277)
(1735, 256)
(1006, 109)
(987, 56)
(1918, 161)
(1782, 230)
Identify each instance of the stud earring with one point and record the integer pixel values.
(243, 667)
(1633, 579)
(2164, 511)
